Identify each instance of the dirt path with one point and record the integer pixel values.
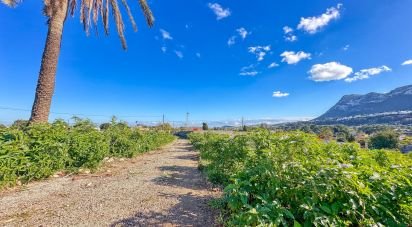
(159, 188)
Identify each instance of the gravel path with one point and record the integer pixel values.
(161, 188)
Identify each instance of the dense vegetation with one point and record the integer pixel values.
(384, 140)
(296, 179)
(38, 151)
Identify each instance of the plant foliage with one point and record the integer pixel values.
(296, 179)
(39, 150)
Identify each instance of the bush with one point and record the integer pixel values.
(20, 124)
(294, 178)
(40, 150)
(384, 140)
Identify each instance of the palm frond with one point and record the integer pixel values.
(147, 13)
(105, 16)
(11, 3)
(90, 10)
(119, 22)
(129, 13)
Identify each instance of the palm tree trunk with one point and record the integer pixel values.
(57, 12)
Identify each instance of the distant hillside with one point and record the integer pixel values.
(394, 107)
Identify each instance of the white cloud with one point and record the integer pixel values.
(345, 48)
(273, 65)
(248, 70)
(260, 51)
(291, 57)
(231, 41)
(198, 55)
(329, 71)
(314, 24)
(243, 32)
(250, 73)
(164, 49)
(279, 94)
(219, 11)
(289, 36)
(165, 34)
(366, 73)
(287, 29)
(407, 62)
(179, 54)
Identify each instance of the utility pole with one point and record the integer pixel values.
(163, 120)
(187, 120)
(243, 123)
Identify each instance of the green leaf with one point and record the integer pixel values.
(296, 224)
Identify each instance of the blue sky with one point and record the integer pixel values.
(212, 58)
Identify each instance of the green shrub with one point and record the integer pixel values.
(20, 124)
(38, 151)
(384, 140)
(294, 178)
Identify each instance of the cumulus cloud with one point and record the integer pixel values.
(164, 49)
(367, 73)
(314, 24)
(407, 62)
(273, 65)
(243, 32)
(219, 11)
(287, 29)
(279, 94)
(165, 34)
(260, 51)
(179, 54)
(329, 71)
(289, 36)
(291, 57)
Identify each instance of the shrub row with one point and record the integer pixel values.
(38, 151)
(295, 179)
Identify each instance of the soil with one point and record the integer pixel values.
(160, 188)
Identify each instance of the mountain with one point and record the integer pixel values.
(394, 107)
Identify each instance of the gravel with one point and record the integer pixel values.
(160, 188)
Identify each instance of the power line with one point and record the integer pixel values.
(84, 115)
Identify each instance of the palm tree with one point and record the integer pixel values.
(56, 12)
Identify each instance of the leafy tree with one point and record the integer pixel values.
(105, 126)
(205, 126)
(56, 12)
(384, 140)
(351, 138)
(326, 133)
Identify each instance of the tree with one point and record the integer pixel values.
(56, 12)
(326, 133)
(384, 140)
(205, 127)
